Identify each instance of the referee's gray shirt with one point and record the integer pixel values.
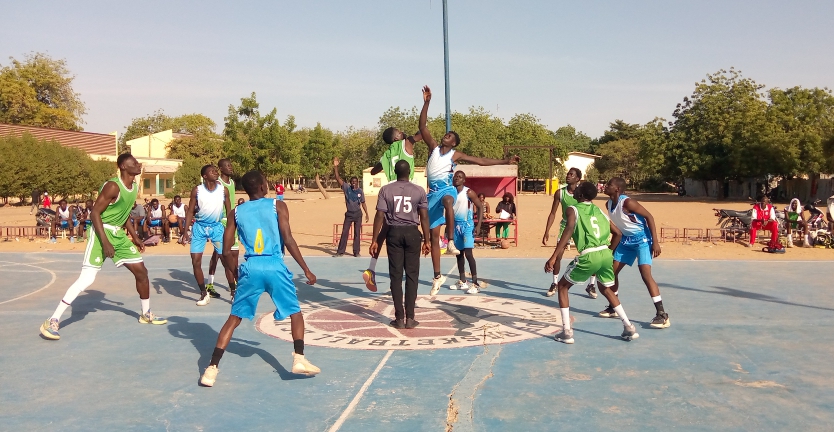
(399, 201)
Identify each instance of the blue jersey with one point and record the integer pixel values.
(257, 227)
(633, 226)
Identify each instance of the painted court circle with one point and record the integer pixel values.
(445, 322)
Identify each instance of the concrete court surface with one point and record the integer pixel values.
(750, 348)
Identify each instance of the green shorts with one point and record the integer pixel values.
(235, 246)
(598, 262)
(126, 251)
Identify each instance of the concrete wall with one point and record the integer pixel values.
(151, 146)
(371, 184)
(580, 161)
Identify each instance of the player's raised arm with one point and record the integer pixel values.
(289, 241)
(189, 215)
(458, 156)
(336, 170)
(423, 123)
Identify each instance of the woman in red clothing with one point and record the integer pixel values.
(764, 217)
(47, 202)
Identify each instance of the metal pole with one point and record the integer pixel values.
(446, 65)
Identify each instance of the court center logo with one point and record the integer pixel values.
(445, 322)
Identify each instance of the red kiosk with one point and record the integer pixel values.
(493, 181)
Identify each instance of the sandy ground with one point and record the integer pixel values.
(312, 219)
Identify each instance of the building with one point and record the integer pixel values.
(157, 171)
(582, 161)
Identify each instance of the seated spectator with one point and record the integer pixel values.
(84, 219)
(487, 216)
(156, 218)
(505, 210)
(240, 201)
(65, 219)
(176, 215)
(764, 218)
(137, 219)
(795, 221)
(830, 213)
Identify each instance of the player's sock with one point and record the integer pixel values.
(565, 318)
(372, 265)
(621, 313)
(216, 355)
(555, 277)
(592, 281)
(85, 279)
(658, 304)
(211, 279)
(146, 305)
(298, 345)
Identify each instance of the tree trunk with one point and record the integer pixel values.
(321, 188)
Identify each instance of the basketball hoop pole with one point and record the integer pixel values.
(446, 65)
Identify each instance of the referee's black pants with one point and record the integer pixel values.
(403, 243)
(354, 218)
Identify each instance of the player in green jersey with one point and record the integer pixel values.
(108, 240)
(591, 230)
(564, 196)
(226, 180)
(401, 147)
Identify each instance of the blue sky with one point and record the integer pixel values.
(343, 63)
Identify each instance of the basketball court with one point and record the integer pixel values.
(750, 348)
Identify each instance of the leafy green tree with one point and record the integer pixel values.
(38, 92)
(353, 147)
(260, 142)
(527, 130)
(187, 176)
(206, 148)
(318, 156)
(619, 159)
(805, 121)
(568, 138)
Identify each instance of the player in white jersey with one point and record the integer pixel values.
(465, 230)
(639, 232)
(210, 198)
(442, 194)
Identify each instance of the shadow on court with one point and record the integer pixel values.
(203, 338)
(734, 292)
(92, 301)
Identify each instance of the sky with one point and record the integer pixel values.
(343, 63)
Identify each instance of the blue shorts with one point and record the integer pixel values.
(65, 224)
(200, 232)
(156, 223)
(464, 234)
(627, 253)
(265, 274)
(437, 215)
(280, 197)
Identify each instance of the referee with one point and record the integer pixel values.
(403, 205)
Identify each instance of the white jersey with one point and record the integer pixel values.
(64, 214)
(179, 211)
(440, 169)
(211, 203)
(633, 226)
(463, 207)
(156, 214)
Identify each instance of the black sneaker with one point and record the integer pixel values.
(592, 291)
(397, 324)
(411, 323)
(609, 312)
(338, 255)
(213, 292)
(661, 320)
(552, 290)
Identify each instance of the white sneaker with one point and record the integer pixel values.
(451, 249)
(204, 301)
(209, 376)
(473, 289)
(461, 285)
(436, 284)
(301, 366)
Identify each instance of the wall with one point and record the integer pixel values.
(153, 146)
(371, 184)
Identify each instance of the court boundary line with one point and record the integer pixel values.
(54, 278)
(352, 405)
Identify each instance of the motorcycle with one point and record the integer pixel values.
(734, 223)
(44, 217)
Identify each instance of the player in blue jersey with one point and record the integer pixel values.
(263, 227)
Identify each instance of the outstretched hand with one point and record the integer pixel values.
(513, 159)
(335, 161)
(426, 94)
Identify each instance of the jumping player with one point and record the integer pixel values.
(441, 196)
(211, 198)
(564, 196)
(401, 147)
(639, 232)
(108, 240)
(404, 205)
(226, 180)
(263, 225)
(465, 230)
(590, 229)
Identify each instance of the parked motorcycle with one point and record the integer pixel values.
(44, 217)
(734, 222)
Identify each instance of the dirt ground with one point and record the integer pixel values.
(312, 219)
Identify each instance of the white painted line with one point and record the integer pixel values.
(54, 277)
(355, 401)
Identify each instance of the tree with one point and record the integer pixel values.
(805, 120)
(353, 148)
(619, 159)
(38, 92)
(527, 130)
(206, 148)
(260, 142)
(194, 124)
(568, 138)
(318, 155)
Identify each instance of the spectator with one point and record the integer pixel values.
(484, 232)
(506, 210)
(795, 221)
(84, 218)
(279, 191)
(137, 218)
(354, 198)
(47, 202)
(764, 218)
(36, 200)
(65, 219)
(156, 218)
(241, 201)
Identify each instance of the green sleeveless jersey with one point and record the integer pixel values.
(566, 199)
(116, 214)
(230, 186)
(395, 153)
(592, 227)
